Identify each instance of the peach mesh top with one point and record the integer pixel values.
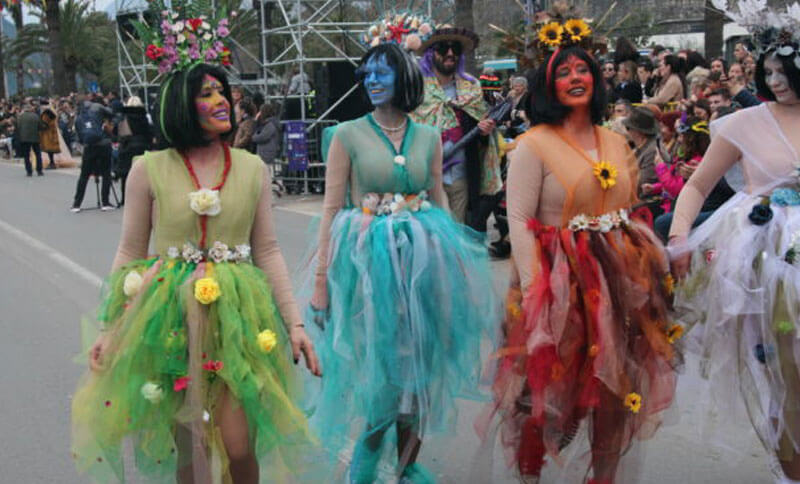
(551, 179)
(250, 204)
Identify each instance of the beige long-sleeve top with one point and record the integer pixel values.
(139, 218)
(550, 179)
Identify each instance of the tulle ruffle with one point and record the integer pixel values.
(411, 298)
(590, 339)
(742, 303)
(169, 362)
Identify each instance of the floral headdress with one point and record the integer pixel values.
(772, 30)
(185, 36)
(406, 29)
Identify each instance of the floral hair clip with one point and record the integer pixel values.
(405, 29)
(185, 36)
(772, 30)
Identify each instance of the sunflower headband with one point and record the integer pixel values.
(405, 29)
(184, 37)
(556, 35)
(698, 127)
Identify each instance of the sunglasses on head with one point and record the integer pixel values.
(443, 47)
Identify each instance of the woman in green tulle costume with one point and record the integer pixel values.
(193, 362)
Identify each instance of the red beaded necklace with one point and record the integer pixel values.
(225, 171)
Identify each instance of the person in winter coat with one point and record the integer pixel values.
(244, 132)
(267, 134)
(135, 138)
(48, 134)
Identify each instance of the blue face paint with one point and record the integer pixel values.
(379, 79)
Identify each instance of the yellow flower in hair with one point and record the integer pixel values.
(606, 173)
(674, 333)
(577, 29)
(206, 290)
(551, 33)
(633, 402)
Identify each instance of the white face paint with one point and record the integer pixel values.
(778, 82)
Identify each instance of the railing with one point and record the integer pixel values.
(312, 179)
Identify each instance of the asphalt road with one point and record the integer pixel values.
(51, 266)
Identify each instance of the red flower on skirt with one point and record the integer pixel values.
(212, 365)
(181, 383)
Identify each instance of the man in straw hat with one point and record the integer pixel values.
(454, 104)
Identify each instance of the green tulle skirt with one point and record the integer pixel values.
(170, 360)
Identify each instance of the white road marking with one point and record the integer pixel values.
(53, 254)
(301, 211)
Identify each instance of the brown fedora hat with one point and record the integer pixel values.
(642, 120)
(469, 39)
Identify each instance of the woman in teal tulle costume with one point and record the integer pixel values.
(193, 363)
(403, 292)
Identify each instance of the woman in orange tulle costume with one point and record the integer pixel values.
(588, 338)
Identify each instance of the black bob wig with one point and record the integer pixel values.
(177, 115)
(791, 71)
(409, 87)
(543, 106)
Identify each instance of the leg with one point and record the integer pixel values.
(367, 453)
(457, 199)
(24, 151)
(86, 171)
(52, 158)
(38, 151)
(608, 426)
(408, 441)
(104, 166)
(122, 181)
(232, 423)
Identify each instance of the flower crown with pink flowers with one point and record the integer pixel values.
(406, 29)
(184, 37)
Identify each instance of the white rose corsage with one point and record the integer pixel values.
(205, 202)
(132, 283)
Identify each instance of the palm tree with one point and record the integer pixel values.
(53, 21)
(19, 69)
(86, 37)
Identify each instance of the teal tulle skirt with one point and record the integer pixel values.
(411, 299)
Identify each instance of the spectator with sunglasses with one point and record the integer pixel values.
(454, 104)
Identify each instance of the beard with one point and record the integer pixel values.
(438, 63)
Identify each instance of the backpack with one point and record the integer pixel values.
(89, 127)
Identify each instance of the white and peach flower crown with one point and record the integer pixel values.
(772, 30)
(406, 29)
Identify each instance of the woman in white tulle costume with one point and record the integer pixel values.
(741, 297)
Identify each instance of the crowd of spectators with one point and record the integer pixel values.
(102, 134)
(667, 109)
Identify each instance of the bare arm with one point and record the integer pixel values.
(267, 255)
(336, 175)
(137, 217)
(525, 175)
(719, 158)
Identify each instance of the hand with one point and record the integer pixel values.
(735, 86)
(685, 170)
(486, 126)
(301, 343)
(680, 264)
(647, 188)
(97, 352)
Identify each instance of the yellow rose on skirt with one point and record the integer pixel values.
(206, 290)
(267, 340)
